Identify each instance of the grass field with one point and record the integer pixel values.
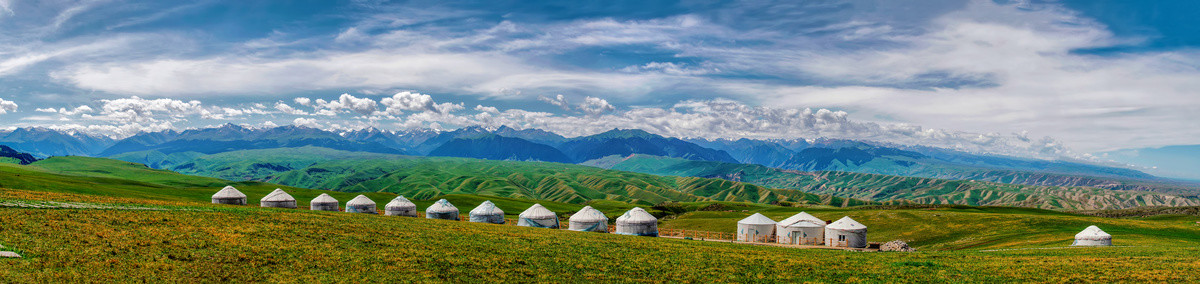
(160, 228)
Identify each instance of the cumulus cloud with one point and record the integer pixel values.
(558, 101)
(347, 102)
(7, 106)
(408, 101)
(68, 112)
(306, 122)
(285, 108)
(595, 106)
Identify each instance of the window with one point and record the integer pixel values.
(841, 238)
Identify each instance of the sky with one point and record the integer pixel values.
(1044, 79)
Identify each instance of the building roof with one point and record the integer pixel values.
(802, 219)
(588, 215)
(637, 215)
(360, 200)
(324, 198)
(229, 192)
(846, 224)
(1093, 232)
(401, 202)
(487, 208)
(441, 206)
(278, 196)
(757, 219)
(537, 211)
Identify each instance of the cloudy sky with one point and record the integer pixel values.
(1040, 79)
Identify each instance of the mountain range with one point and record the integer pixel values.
(167, 149)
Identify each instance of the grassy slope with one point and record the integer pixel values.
(921, 190)
(424, 178)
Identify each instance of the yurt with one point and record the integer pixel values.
(442, 209)
(756, 228)
(229, 195)
(278, 199)
(324, 202)
(1092, 236)
(539, 217)
(400, 206)
(487, 213)
(846, 233)
(637, 222)
(800, 229)
(588, 219)
(361, 204)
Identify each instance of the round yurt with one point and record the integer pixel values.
(1093, 237)
(442, 209)
(278, 199)
(637, 222)
(400, 206)
(588, 219)
(846, 233)
(800, 229)
(229, 195)
(361, 204)
(756, 228)
(324, 202)
(539, 217)
(487, 213)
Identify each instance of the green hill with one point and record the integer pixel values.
(884, 188)
(428, 177)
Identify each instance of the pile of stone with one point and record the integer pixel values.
(896, 245)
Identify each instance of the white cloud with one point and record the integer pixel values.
(558, 101)
(68, 112)
(306, 122)
(7, 106)
(347, 102)
(303, 101)
(408, 101)
(285, 108)
(595, 106)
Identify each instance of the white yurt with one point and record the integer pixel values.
(637, 222)
(538, 216)
(588, 219)
(800, 229)
(278, 199)
(487, 212)
(324, 202)
(1092, 236)
(756, 228)
(361, 204)
(400, 206)
(442, 209)
(846, 233)
(229, 195)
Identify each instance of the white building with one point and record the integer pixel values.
(539, 217)
(487, 213)
(588, 219)
(278, 199)
(637, 222)
(442, 209)
(361, 204)
(1092, 236)
(229, 195)
(400, 206)
(846, 233)
(801, 229)
(324, 202)
(756, 228)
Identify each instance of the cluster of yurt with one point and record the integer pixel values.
(802, 229)
(1092, 236)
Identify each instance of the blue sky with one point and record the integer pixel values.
(1043, 79)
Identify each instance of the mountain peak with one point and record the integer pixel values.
(624, 133)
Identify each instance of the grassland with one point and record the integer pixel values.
(167, 232)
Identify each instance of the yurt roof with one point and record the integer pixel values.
(1092, 232)
(847, 224)
(537, 211)
(637, 215)
(360, 200)
(487, 208)
(442, 206)
(757, 219)
(229, 192)
(589, 214)
(278, 196)
(802, 219)
(400, 201)
(324, 198)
